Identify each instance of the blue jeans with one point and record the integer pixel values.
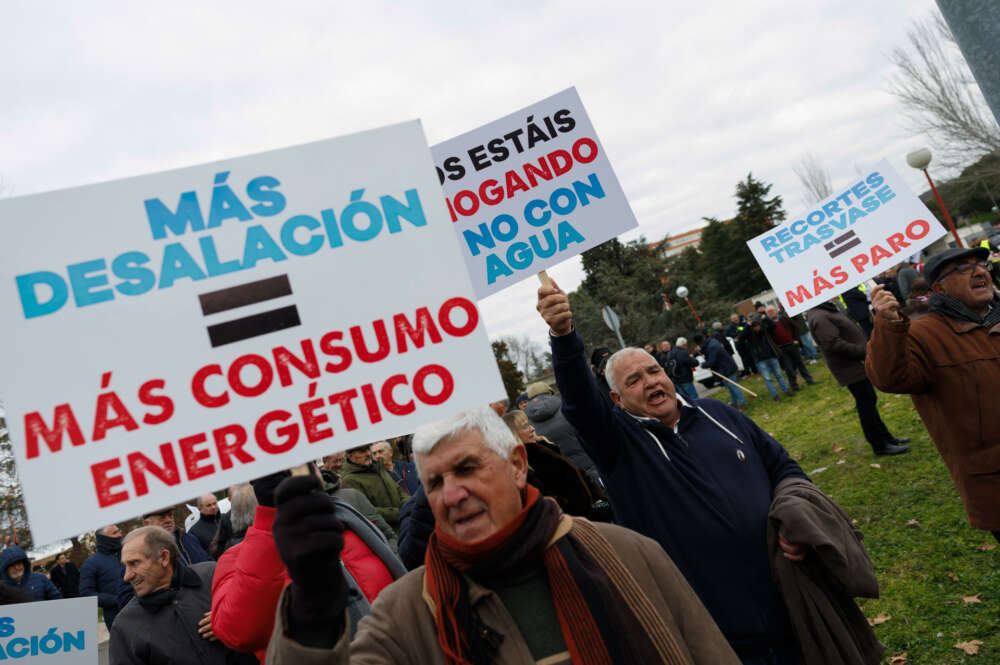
(687, 390)
(735, 394)
(769, 368)
(809, 346)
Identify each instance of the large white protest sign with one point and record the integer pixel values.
(844, 240)
(50, 631)
(170, 334)
(530, 190)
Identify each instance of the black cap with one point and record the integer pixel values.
(937, 263)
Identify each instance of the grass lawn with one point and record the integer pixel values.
(927, 558)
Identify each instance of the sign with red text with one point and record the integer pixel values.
(172, 334)
(50, 631)
(530, 190)
(853, 236)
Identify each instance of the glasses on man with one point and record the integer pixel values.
(965, 268)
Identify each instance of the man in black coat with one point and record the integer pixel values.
(844, 345)
(101, 573)
(168, 620)
(65, 576)
(213, 529)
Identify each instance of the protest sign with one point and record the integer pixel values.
(530, 190)
(844, 240)
(50, 631)
(171, 334)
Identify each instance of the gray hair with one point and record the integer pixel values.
(681, 341)
(496, 435)
(155, 539)
(616, 358)
(242, 504)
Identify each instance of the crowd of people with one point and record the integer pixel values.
(616, 519)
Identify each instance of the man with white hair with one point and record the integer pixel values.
(698, 478)
(508, 577)
(680, 367)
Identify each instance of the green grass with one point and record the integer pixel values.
(912, 563)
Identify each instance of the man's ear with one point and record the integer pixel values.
(164, 558)
(938, 287)
(519, 460)
(616, 398)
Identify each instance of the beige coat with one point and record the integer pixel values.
(401, 630)
(951, 369)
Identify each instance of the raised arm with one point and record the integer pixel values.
(895, 363)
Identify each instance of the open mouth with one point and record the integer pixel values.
(656, 397)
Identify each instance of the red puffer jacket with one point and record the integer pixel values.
(250, 576)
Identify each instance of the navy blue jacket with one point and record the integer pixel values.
(679, 365)
(703, 493)
(716, 357)
(36, 585)
(101, 574)
(416, 523)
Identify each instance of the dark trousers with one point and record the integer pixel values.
(866, 402)
(996, 534)
(791, 360)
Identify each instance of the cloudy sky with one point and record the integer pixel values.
(686, 97)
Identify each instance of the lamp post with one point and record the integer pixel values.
(682, 293)
(919, 159)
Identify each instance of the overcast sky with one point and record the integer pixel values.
(686, 97)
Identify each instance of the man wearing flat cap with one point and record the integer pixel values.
(949, 362)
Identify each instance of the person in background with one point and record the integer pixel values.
(948, 361)
(786, 337)
(167, 622)
(856, 303)
(242, 505)
(544, 412)
(509, 578)
(680, 369)
(382, 454)
(213, 529)
(101, 574)
(553, 473)
(499, 406)
(766, 356)
(65, 576)
(15, 571)
(354, 498)
(522, 401)
(844, 346)
(369, 477)
(918, 303)
(718, 360)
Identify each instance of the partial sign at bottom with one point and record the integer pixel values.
(50, 631)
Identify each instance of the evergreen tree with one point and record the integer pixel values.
(513, 380)
(756, 214)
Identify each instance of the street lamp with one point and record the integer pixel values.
(919, 159)
(682, 293)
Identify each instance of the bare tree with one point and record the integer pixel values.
(525, 353)
(940, 97)
(814, 178)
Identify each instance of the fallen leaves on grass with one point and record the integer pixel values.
(898, 659)
(838, 449)
(970, 648)
(881, 618)
(987, 546)
(841, 461)
(971, 599)
(953, 577)
(912, 523)
(875, 465)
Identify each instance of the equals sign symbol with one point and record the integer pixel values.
(841, 244)
(253, 325)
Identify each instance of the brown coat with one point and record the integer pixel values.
(842, 342)
(951, 368)
(401, 630)
(819, 591)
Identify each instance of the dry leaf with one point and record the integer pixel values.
(971, 648)
(953, 577)
(838, 449)
(854, 521)
(898, 659)
(841, 461)
(987, 546)
(972, 599)
(912, 523)
(875, 466)
(881, 618)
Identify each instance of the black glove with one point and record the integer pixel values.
(263, 487)
(309, 539)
